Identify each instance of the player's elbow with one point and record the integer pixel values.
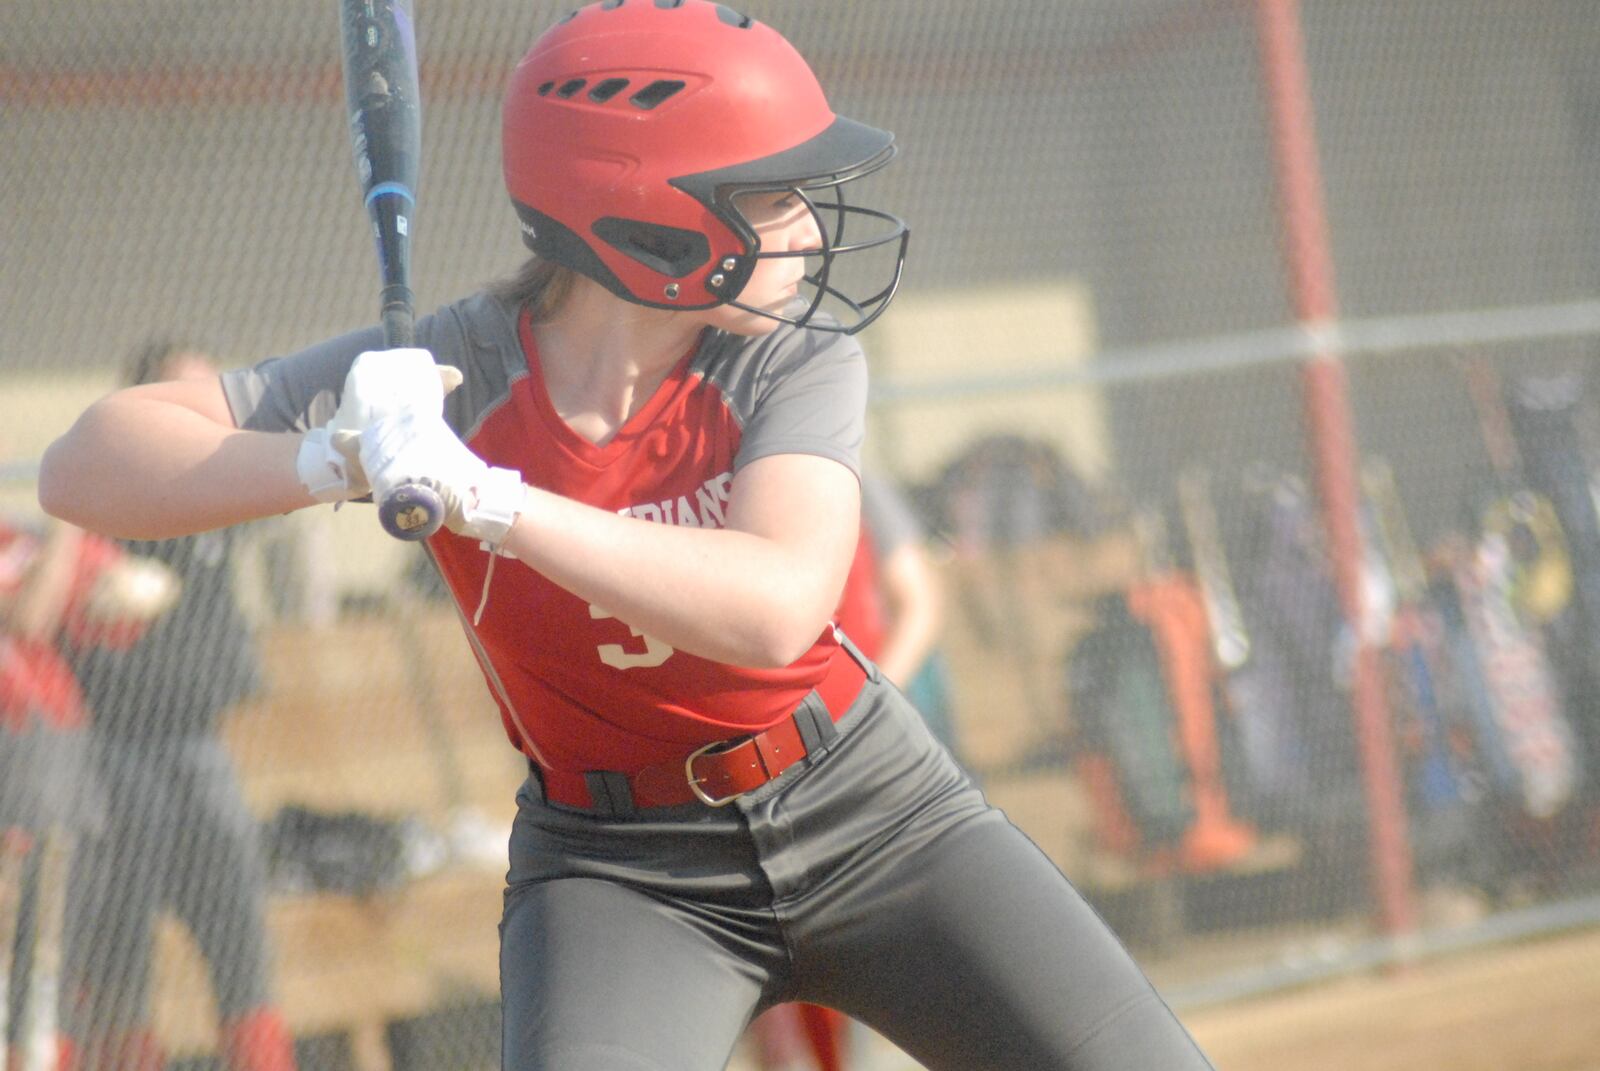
(781, 639)
(809, 598)
(56, 486)
(78, 485)
(783, 648)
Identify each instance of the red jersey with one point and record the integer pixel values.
(576, 686)
(861, 613)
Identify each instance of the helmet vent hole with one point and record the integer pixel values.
(733, 18)
(611, 5)
(655, 93)
(544, 90)
(607, 89)
(667, 4)
(672, 251)
(570, 87)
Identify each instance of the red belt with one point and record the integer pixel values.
(723, 770)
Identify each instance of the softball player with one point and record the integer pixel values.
(650, 473)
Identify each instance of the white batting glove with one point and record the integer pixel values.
(328, 473)
(383, 382)
(480, 501)
(380, 383)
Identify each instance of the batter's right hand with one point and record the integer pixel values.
(480, 501)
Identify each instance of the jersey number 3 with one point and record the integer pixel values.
(617, 656)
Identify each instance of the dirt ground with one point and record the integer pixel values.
(1529, 1006)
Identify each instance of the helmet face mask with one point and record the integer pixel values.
(860, 233)
(631, 133)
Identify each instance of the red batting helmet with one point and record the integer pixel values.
(631, 126)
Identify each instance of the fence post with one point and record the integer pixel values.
(1331, 437)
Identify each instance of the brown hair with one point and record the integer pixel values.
(145, 363)
(541, 285)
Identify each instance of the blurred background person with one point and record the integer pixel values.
(56, 583)
(179, 836)
(893, 602)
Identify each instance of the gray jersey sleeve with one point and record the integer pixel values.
(797, 392)
(297, 392)
(302, 390)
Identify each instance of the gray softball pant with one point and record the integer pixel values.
(873, 878)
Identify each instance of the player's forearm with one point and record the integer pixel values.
(915, 610)
(909, 642)
(722, 594)
(140, 468)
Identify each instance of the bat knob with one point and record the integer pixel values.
(411, 512)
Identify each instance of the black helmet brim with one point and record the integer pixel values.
(845, 150)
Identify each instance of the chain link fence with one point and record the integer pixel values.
(1094, 385)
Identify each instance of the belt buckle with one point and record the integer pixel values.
(694, 782)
